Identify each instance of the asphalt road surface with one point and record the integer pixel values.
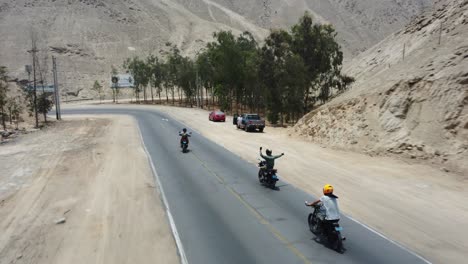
(223, 215)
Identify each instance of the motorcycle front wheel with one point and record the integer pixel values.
(260, 176)
(313, 223)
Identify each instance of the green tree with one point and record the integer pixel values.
(157, 72)
(322, 56)
(17, 109)
(187, 79)
(227, 62)
(286, 77)
(135, 67)
(205, 73)
(3, 94)
(140, 72)
(44, 105)
(10, 104)
(293, 82)
(173, 71)
(114, 86)
(248, 81)
(97, 87)
(273, 72)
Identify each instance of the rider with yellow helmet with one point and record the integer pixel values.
(329, 207)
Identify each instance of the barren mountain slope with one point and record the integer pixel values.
(88, 36)
(361, 23)
(416, 106)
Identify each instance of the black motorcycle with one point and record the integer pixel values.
(184, 146)
(331, 231)
(265, 176)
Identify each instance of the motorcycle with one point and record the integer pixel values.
(331, 231)
(265, 176)
(185, 143)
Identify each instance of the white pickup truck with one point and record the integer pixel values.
(251, 122)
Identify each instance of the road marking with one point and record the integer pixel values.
(261, 219)
(370, 229)
(175, 234)
(388, 239)
(180, 122)
(264, 221)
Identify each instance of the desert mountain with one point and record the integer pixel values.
(88, 36)
(411, 94)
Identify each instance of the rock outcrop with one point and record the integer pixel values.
(412, 104)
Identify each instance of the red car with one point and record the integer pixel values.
(217, 116)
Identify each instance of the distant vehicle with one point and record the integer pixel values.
(217, 116)
(251, 122)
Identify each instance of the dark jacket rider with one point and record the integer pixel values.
(269, 158)
(184, 136)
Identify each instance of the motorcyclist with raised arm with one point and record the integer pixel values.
(269, 158)
(184, 136)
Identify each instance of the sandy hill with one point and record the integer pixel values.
(414, 105)
(88, 36)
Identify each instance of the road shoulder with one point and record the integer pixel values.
(95, 175)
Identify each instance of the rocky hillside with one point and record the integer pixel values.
(411, 94)
(88, 36)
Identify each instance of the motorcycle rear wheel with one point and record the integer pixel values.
(273, 184)
(338, 246)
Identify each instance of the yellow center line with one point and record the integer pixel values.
(261, 219)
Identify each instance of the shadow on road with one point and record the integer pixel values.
(324, 242)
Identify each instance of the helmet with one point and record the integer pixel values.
(185, 130)
(327, 189)
(268, 152)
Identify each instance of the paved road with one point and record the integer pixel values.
(222, 213)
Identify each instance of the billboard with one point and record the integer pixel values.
(49, 88)
(124, 81)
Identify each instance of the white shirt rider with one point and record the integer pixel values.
(329, 204)
(330, 207)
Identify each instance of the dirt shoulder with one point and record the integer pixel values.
(95, 174)
(419, 206)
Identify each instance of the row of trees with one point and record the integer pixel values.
(285, 77)
(10, 107)
(13, 104)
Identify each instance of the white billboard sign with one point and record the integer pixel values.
(124, 81)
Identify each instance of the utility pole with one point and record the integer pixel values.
(28, 70)
(196, 89)
(33, 52)
(200, 87)
(440, 32)
(56, 90)
(404, 48)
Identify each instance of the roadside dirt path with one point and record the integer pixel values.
(421, 207)
(94, 173)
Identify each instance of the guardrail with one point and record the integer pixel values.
(77, 100)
